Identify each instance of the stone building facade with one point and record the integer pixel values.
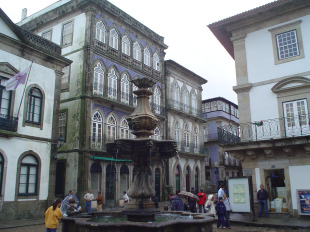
(28, 119)
(220, 165)
(270, 45)
(108, 48)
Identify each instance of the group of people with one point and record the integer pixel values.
(69, 207)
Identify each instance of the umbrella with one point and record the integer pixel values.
(189, 194)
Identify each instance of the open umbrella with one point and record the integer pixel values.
(188, 194)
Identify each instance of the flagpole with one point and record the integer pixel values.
(24, 88)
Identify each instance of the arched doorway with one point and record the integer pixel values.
(177, 180)
(124, 180)
(157, 183)
(187, 179)
(110, 185)
(95, 177)
(196, 180)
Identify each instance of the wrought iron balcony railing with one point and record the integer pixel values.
(179, 106)
(265, 130)
(8, 123)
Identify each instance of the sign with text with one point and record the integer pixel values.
(303, 201)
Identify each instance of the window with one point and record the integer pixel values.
(111, 128)
(196, 140)
(187, 179)
(213, 106)
(185, 101)
(296, 117)
(147, 57)
(28, 176)
(34, 106)
(287, 45)
(125, 89)
(1, 171)
(47, 35)
(208, 107)
(65, 77)
(156, 62)
(67, 34)
(124, 129)
(157, 133)
(137, 51)
(101, 32)
(177, 180)
(5, 100)
(194, 104)
(126, 45)
(112, 84)
(97, 130)
(113, 39)
(287, 42)
(157, 100)
(134, 88)
(196, 179)
(177, 134)
(62, 127)
(219, 105)
(186, 138)
(98, 79)
(176, 96)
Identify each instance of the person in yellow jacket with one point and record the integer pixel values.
(53, 215)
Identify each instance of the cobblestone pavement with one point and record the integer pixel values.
(237, 228)
(234, 228)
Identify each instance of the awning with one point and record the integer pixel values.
(109, 159)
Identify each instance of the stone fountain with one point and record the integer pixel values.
(142, 150)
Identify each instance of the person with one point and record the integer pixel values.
(72, 210)
(65, 203)
(155, 200)
(52, 216)
(210, 205)
(202, 201)
(221, 192)
(262, 196)
(228, 210)
(192, 202)
(176, 203)
(220, 211)
(88, 198)
(125, 198)
(99, 200)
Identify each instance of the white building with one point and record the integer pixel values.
(271, 48)
(28, 133)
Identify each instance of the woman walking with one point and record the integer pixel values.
(53, 215)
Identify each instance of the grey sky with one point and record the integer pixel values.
(183, 24)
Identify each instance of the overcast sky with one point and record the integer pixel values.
(183, 24)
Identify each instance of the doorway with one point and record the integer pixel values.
(60, 179)
(157, 183)
(275, 184)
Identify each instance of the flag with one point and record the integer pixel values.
(20, 77)
(258, 123)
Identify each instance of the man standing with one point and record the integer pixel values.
(88, 198)
(176, 202)
(262, 196)
(125, 198)
(221, 192)
(99, 202)
(202, 201)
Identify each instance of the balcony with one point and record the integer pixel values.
(8, 123)
(279, 128)
(192, 149)
(184, 108)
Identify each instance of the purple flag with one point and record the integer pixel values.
(20, 77)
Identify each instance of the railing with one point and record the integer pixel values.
(265, 130)
(192, 149)
(179, 106)
(41, 42)
(8, 123)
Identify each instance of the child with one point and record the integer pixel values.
(228, 210)
(72, 208)
(52, 216)
(99, 202)
(210, 205)
(220, 211)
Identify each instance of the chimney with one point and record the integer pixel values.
(24, 13)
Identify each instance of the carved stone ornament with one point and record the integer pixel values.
(288, 151)
(252, 154)
(269, 153)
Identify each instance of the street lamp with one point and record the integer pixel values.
(61, 141)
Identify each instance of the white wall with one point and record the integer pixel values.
(298, 179)
(6, 30)
(260, 57)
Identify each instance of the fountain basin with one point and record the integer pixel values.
(116, 222)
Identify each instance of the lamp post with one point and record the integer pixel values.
(61, 141)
